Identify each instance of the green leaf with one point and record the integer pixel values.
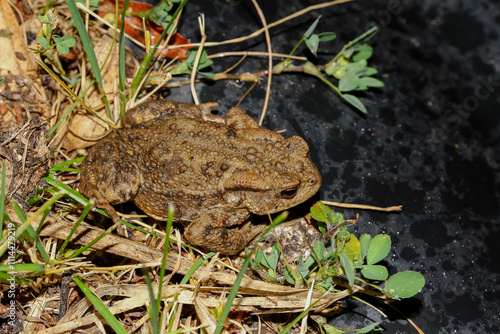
(375, 272)
(44, 19)
(319, 250)
(338, 68)
(348, 52)
(368, 328)
(273, 257)
(348, 268)
(357, 66)
(288, 275)
(352, 248)
(367, 72)
(327, 36)
(355, 102)
(365, 36)
(405, 284)
(364, 242)
(371, 82)
(362, 52)
(319, 211)
(303, 266)
(330, 329)
(100, 307)
(350, 81)
(311, 28)
(43, 42)
(64, 43)
(313, 43)
(93, 4)
(379, 247)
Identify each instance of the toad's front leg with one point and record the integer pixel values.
(109, 175)
(219, 231)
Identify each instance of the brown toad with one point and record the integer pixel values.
(214, 170)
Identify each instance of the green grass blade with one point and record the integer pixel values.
(100, 307)
(2, 196)
(22, 267)
(31, 231)
(66, 163)
(89, 50)
(195, 267)
(153, 309)
(164, 258)
(149, 57)
(27, 224)
(75, 227)
(121, 62)
(299, 317)
(234, 290)
(4, 277)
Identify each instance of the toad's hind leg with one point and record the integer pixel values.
(109, 176)
(210, 233)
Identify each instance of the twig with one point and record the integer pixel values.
(270, 59)
(253, 53)
(363, 207)
(201, 22)
(246, 93)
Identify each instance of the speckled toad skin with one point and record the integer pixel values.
(214, 170)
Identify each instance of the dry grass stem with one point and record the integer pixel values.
(201, 22)
(270, 60)
(363, 207)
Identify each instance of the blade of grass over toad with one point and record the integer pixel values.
(149, 57)
(2, 196)
(20, 230)
(234, 290)
(66, 163)
(164, 258)
(153, 309)
(195, 267)
(31, 231)
(89, 50)
(100, 307)
(121, 61)
(84, 214)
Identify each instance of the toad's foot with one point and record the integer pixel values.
(230, 240)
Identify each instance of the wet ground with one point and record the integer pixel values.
(430, 140)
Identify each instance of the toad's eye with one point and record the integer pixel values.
(289, 193)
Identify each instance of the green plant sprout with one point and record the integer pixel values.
(50, 44)
(348, 256)
(349, 66)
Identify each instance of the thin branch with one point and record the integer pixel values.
(253, 53)
(201, 22)
(363, 207)
(270, 59)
